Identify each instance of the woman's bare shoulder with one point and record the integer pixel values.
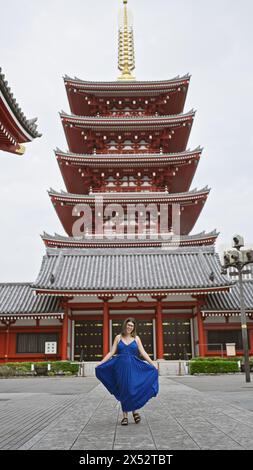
(117, 338)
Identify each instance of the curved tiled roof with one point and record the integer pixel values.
(127, 120)
(121, 242)
(194, 193)
(20, 298)
(129, 86)
(128, 157)
(87, 271)
(230, 301)
(29, 125)
(59, 237)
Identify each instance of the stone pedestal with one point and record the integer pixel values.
(172, 367)
(87, 369)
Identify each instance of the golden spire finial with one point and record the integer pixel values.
(126, 62)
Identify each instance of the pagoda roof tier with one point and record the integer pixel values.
(103, 160)
(162, 196)
(15, 128)
(191, 204)
(59, 241)
(81, 172)
(68, 272)
(127, 87)
(88, 98)
(18, 300)
(122, 122)
(86, 133)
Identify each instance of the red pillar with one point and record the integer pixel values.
(106, 346)
(8, 324)
(64, 340)
(201, 332)
(7, 342)
(106, 328)
(159, 328)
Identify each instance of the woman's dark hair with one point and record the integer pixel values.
(124, 327)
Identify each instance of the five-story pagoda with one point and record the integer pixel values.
(127, 146)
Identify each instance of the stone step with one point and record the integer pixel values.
(87, 369)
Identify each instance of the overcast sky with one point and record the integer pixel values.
(41, 41)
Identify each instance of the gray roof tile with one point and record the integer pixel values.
(132, 269)
(230, 301)
(119, 241)
(20, 298)
(131, 195)
(28, 124)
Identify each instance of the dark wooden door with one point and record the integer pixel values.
(88, 340)
(177, 339)
(144, 331)
(116, 328)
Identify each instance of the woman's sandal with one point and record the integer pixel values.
(136, 417)
(124, 421)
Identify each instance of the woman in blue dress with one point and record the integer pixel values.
(131, 380)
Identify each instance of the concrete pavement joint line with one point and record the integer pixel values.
(237, 408)
(126, 438)
(225, 409)
(236, 419)
(11, 408)
(115, 429)
(179, 424)
(43, 427)
(50, 424)
(25, 412)
(88, 420)
(45, 421)
(212, 424)
(38, 437)
(58, 415)
(220, 431)
(29, 423)
(34, 439)
(38, 412)
(81, 437)
(154, 442)
(233, 425)
(231, 405)
(174, 418)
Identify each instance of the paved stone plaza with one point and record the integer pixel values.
(202, 412)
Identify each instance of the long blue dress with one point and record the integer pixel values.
(132, 381)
